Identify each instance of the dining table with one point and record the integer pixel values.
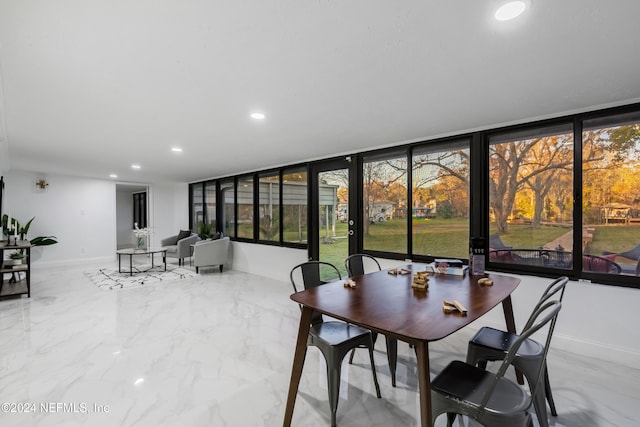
(386, 302)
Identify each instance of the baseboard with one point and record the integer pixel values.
(77, 261)
(580, 347)
(613, 354)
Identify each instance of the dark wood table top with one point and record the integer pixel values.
(388, 304)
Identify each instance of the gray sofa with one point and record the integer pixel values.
(208, 253)
(179, 248)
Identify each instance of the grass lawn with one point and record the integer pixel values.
(450, 238)
(522, 236)
(614, 238)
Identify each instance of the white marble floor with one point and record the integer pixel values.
(216, 351)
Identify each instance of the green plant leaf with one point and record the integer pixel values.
(24, 230)
(43, 241)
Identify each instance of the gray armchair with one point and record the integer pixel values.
(211, 252)
(179, 248)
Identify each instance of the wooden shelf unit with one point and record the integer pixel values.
(15, 279)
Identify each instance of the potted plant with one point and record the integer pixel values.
(16, 257)
(12, 226)
(204, 230)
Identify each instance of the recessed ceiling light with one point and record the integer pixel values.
(135, 166)
(257, 116)
(138, 381)
(176, 149)
(510, 10)
(113, 175)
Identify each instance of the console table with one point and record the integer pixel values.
(16, 284)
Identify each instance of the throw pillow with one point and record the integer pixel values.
(183, 234)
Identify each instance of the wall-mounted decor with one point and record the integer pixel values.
(41, 184)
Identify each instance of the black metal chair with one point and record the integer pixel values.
(490, 344)
(355, 265)
(333, 338)
(488, 397)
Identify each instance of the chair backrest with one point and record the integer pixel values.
(555, 287)
(545, 314)
(355, 264)
(311, 274)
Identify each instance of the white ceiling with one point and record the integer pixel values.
(92, 86)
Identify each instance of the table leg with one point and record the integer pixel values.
(152, 257)
(298, 363)
(507, 308)
(164, 260)
(392, 357)
(130, 264)
(424, 381)
(119, 263)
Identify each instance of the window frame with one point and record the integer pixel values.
(479, 145)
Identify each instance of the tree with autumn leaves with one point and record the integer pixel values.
(538, 173)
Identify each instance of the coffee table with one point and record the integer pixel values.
(134, 251)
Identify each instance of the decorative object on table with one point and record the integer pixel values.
(398, 271)
(485, 281)
(108, 278)
(449, 266)
(454, 306)
(420, 280)
(142, 236)
(477, 256)
(349, 283)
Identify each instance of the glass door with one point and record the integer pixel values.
(333, 214)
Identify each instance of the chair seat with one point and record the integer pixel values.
(338, 333)
(469, 384)
(500, 341)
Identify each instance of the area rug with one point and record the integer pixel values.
(109, 278)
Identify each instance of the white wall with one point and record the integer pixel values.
(596, 320)
(269, 261)
(169, 210)
(4, 156)
(81, 213)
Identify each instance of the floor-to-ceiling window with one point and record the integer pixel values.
(440, 199)
(228, 197)
(553, 197)
(294, 205)
(384, 202)
(531, 196)
(611, 194)
(269, 206)
(245, 207)
(210, 205)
